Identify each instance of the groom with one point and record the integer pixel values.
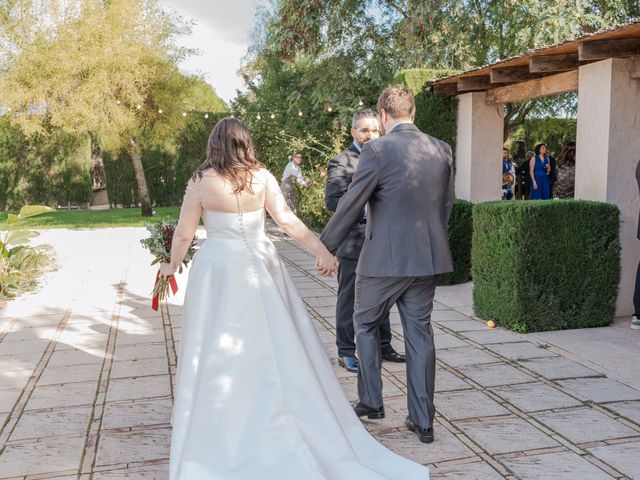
(406, 177)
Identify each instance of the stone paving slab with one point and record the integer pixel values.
(532, 397)
(584, 424)
(561, 465)
(503, 435)
(93, 366)
(624, 458)
(601, 389)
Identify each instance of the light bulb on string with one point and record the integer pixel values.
(258, 117)
(206, 115)
(184, 114)
(117, 102)
(300, 113)
(139, 107)
(273, 115)
(329, 109)
(160, 111)
(360, 103)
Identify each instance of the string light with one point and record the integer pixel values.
(206, 115)
(360, 103)
(258, 117)
(273, 115)
(329, 109)
(117, 102)
(138, 106)
(300, 113)
(160, 111)
(184, 114)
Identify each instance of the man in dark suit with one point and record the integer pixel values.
(635, 319)
(364, 127)
(407, 179)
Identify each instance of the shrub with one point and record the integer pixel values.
(460, 230)
(545, 265)
(311, 206)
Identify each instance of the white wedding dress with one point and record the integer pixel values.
(256, 396)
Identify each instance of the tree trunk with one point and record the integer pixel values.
(143, 190)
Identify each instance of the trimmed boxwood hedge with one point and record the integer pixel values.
(546, 265)
(460, 230)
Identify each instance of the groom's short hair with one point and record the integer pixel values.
(363, 113)
(397, 101)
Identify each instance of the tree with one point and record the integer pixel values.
(105, 69)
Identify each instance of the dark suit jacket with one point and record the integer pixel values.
(339, 174)
(407, 179)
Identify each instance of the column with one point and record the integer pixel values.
(479, 149)
(607, 151)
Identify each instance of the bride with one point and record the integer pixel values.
(256, 396)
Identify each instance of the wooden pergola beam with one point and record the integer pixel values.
(511, 74)
(553, 63)
(447, 89)
(470, 84)
(601, 49)
(539, 87)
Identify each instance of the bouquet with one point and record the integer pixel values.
(159, 245)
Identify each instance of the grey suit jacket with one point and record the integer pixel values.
(339, 175)
(407, 178)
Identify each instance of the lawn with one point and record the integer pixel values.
(118, 217)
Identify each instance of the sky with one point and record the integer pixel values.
(221, 34)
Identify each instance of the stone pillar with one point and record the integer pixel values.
(607, 151)
(479, 149)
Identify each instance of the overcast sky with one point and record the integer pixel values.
(221, 34)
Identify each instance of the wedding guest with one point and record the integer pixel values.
(540, 173)
(508, 175)
(523, 181)
(565, 184)
(292, 175)
(364, 128)
(635, 319)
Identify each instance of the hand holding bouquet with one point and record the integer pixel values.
(159, 245)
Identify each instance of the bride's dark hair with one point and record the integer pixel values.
(230, 154)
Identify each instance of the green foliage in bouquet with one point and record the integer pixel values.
(159, 243)
(546, 265)
(21, 264)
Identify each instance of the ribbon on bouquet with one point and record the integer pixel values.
(155, 301)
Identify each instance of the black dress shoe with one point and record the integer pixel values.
(372, 413)
(425, 435)
(393, 356)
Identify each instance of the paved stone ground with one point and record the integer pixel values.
(87, 370)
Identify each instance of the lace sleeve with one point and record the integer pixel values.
(190, 214)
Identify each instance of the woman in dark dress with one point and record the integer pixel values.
(540, 173)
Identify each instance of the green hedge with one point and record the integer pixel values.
(460, 232)
(545, 265)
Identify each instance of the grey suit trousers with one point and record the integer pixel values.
(345, 332)
(374, 297)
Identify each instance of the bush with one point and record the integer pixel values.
(545, 265)
(460, 229)
(311, 206)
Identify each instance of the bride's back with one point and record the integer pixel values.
(216, 193)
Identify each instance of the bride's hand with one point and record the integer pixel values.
(166, 270)
(326, 264)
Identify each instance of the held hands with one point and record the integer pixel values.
(326, 264)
